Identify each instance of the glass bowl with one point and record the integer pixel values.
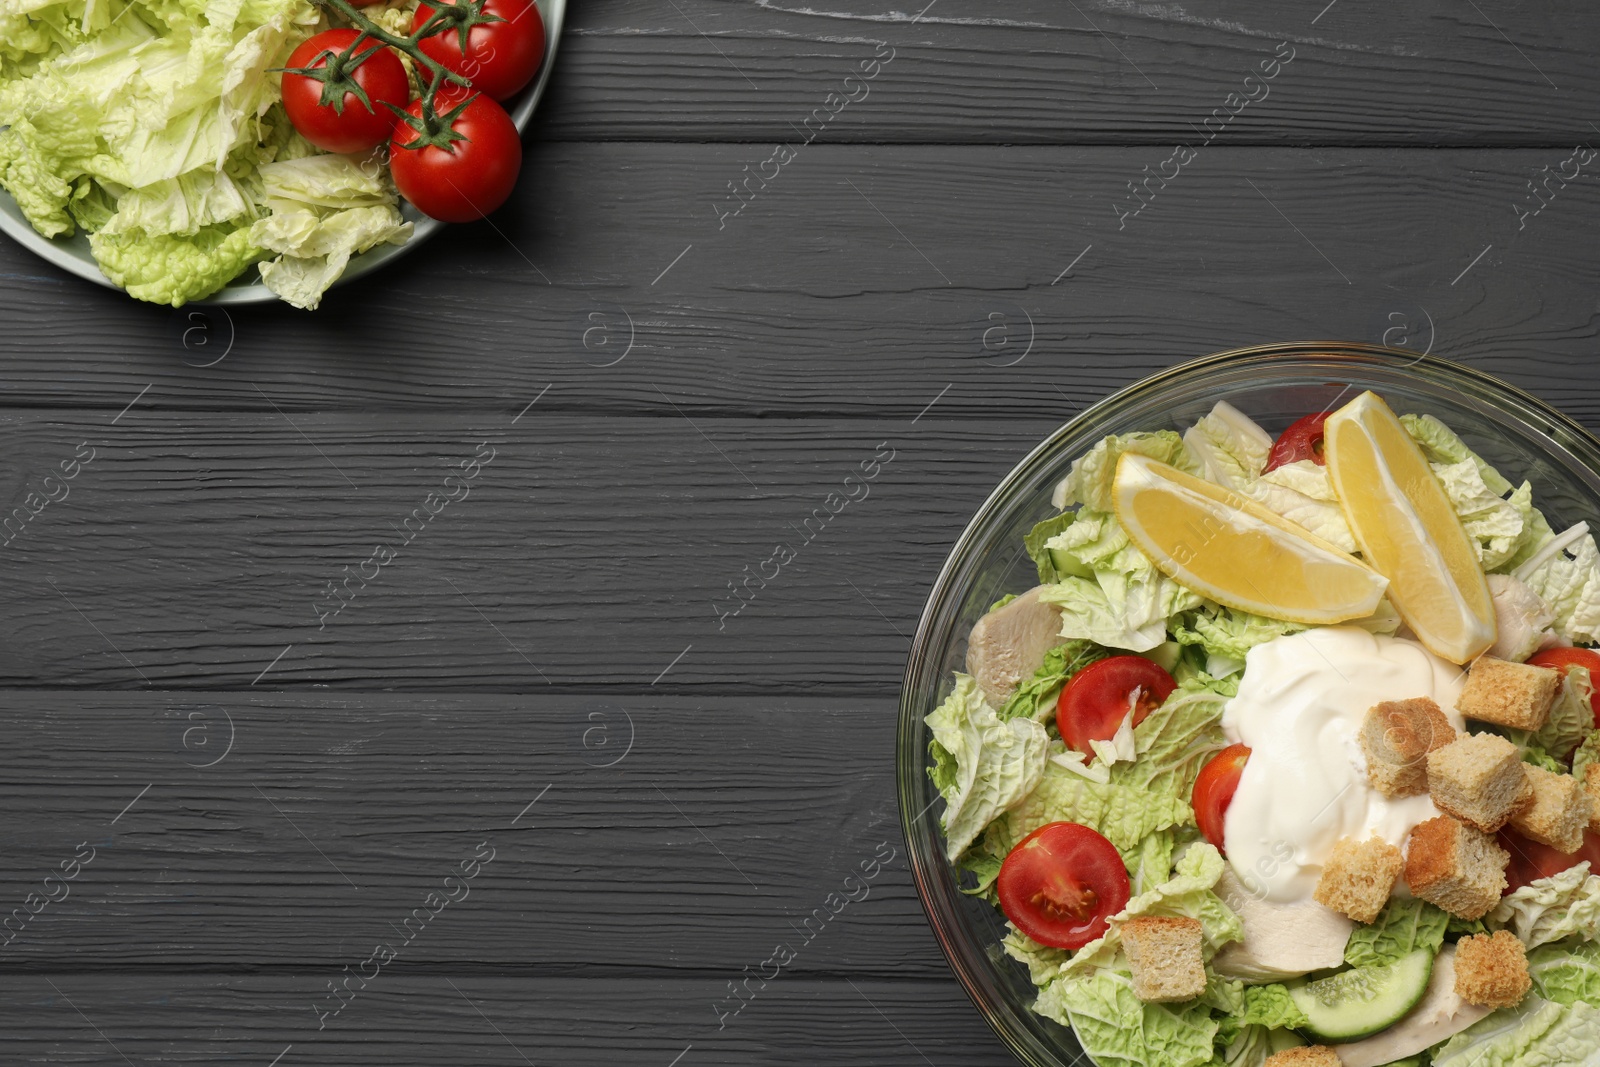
(1273, 384)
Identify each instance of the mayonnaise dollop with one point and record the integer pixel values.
(1299, 709)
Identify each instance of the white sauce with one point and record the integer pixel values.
(1299, 709)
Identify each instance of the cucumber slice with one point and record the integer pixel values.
(1360, 1001)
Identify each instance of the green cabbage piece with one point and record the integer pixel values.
(325, 209)
(174, 269)
(1036, 697)
(1570, 722)
(1536, 1033)
(1222, 631)
(1229, 447)
(1570, 585)
(1401, 928)
(1588, 752)
(1141, 797)
(1566, 971)
(1089, 481)
(1127, 601)
(996, 763)
(1117, 1029)
(1551, 908)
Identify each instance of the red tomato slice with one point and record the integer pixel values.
(1092, 705)
(1061, 883)
(1530, 860)
(1560, 659)
(1302, 440)
(1214, 789)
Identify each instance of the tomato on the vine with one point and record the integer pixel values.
(348, 124)
(499, 57)
(1214, 789)
(471, 177)
(1559, 659)
(1094, 702)
(1061, 884)
(1302, 440)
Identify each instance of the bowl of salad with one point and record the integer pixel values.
(247, 151)
(1250, 722)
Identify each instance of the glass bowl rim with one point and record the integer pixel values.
(1478, 387)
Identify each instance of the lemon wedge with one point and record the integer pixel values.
(1236, 552)
(1406, 528)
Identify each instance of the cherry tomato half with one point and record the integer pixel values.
(353, 126)
(1302, 440)
(1560, 659)
(1061, 883)
(1531, 860)
(1092, 705)
(500, 57)
(1214, 789)
(470, 179)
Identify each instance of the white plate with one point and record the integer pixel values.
(72, 253)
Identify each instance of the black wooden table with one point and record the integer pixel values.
(390, 686)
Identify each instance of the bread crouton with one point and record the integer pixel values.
(1508, 694)
(1492, 971)
(1591, 785)
(1164, 954)
(1559, 812)
(1396, 737)
(1358, 878)
(1479, 779)
(1305, 1056)
(1455, 867)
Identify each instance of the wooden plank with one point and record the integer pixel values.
(403, 1018)
(1107, 71)
(646, 835)
(196, 551)
(819, 300)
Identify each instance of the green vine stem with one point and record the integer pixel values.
(432, 127)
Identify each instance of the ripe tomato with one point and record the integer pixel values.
(1214, 789)
(469, 179)
(1560, 659)
(1531, 860)
(1092, 705)
(500, 57)
(1302, 440)
(1061, 883)
(350, 125)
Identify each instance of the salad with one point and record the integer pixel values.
(1287, 758)
(191, 140)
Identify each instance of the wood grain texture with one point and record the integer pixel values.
(828, 296)
(73, 1018)
(195, 549)
(1107, 71)
(640, 835)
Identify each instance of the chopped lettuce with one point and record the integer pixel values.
(1571, 721)
(1126, 601)
(1566, 971)
(1117, 1029)
(1549, 909)
(1223, 631)
(1053, 567)
(174, 269)
(1187, 894)
(1089, 481)
(1588, 752)
(1230, 448)
(1569, 584)
(1150, 793)
(1402, 927)
(1303, 493)
(1036, 697)
(1043, 962)
(325, 209)
(996, 763)
(1271, 1006)
(1536, 1033)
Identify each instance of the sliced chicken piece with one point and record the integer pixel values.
(1440, 1014)
(1008, 645)
(1522, 617)
(1280, 940)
